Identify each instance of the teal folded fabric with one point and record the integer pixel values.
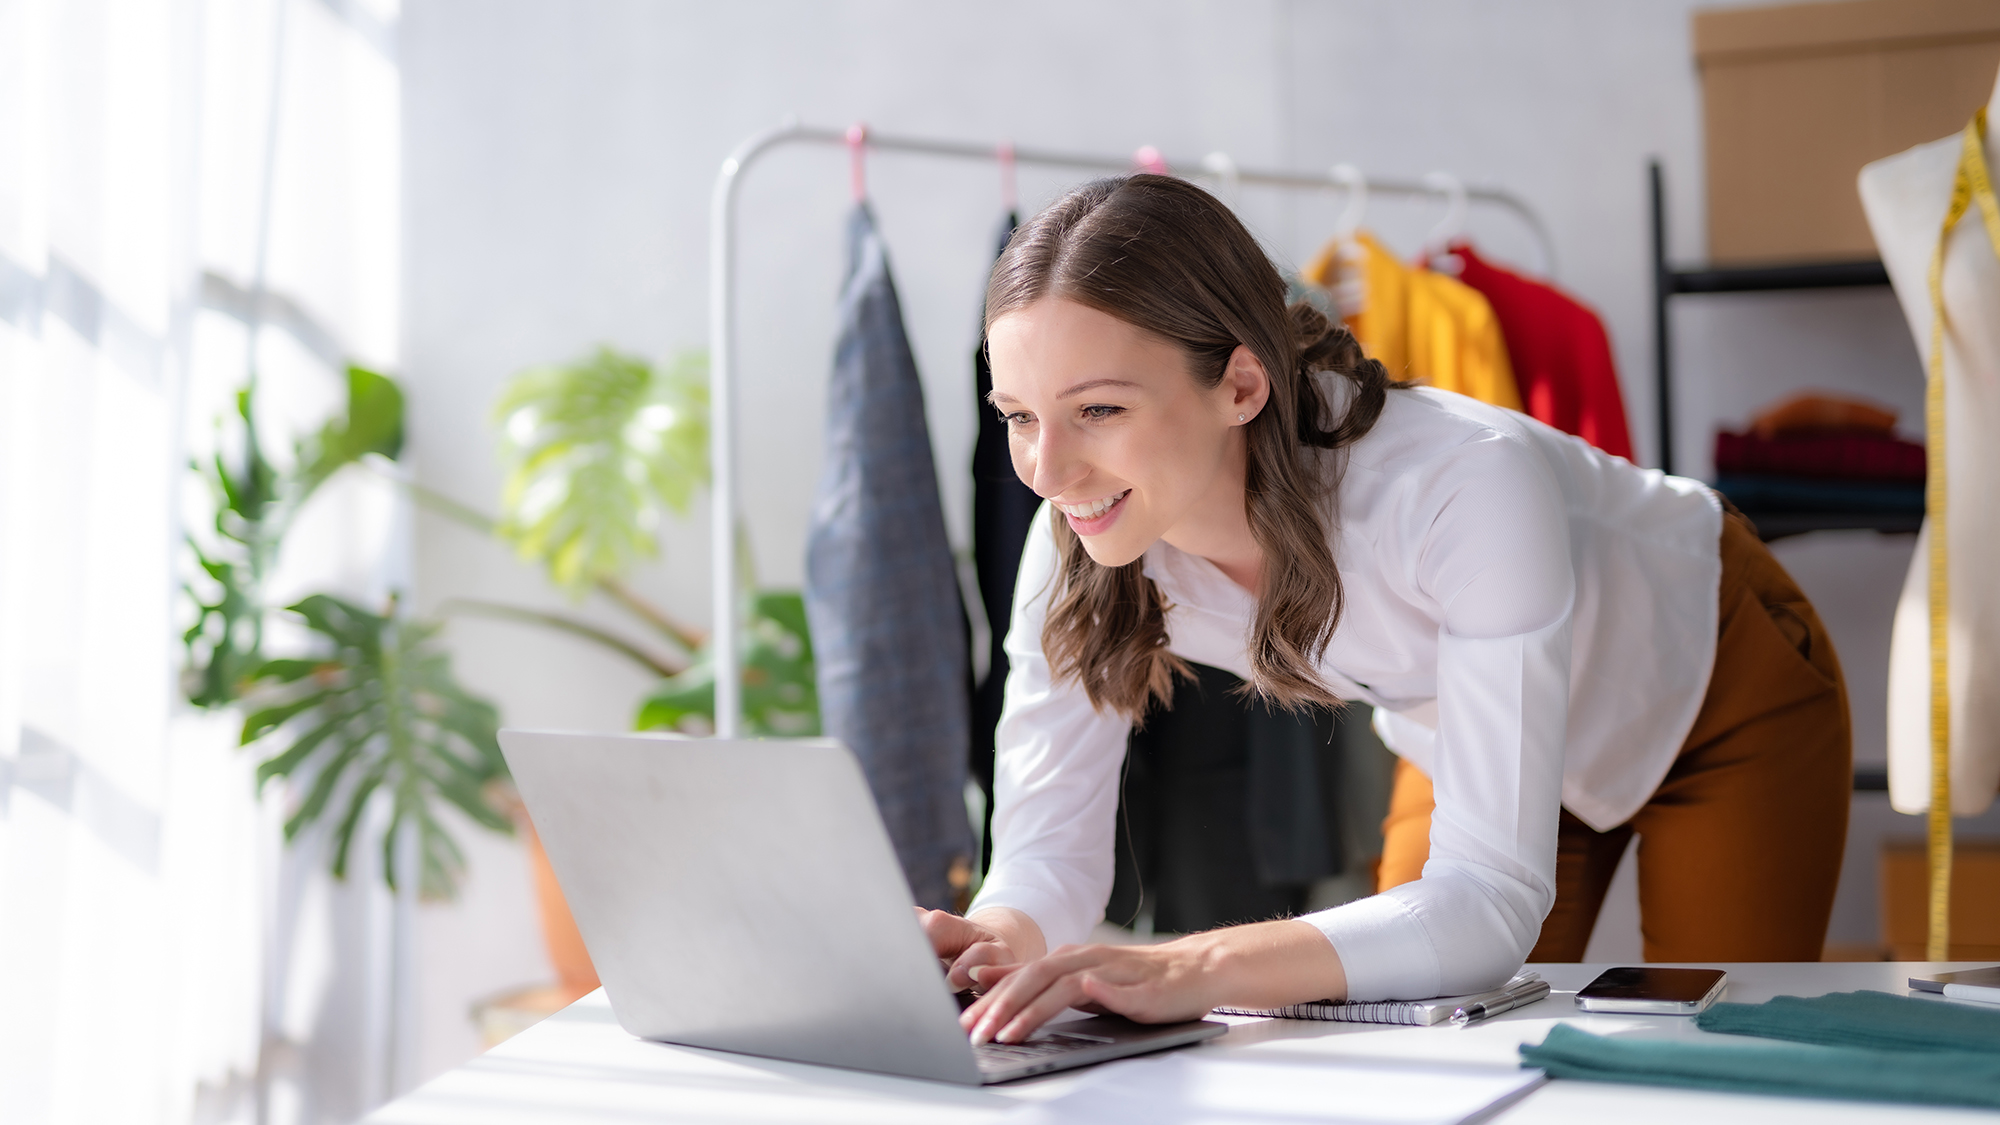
(1846, 1073)
(1862, 1019)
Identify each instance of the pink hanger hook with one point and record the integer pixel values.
(857, 160)
(1009, 194)
(1149, 159)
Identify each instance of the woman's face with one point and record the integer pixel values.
(1105, 420)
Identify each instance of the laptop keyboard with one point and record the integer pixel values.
(997, 1056)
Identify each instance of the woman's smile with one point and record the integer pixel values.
(1094, 516)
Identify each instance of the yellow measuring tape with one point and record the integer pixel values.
(1970, 185)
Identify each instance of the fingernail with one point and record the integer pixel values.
(973, 973)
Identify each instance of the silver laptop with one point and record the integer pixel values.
(744, 896)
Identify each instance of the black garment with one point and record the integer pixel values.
(1229, 811)
(1002, 510)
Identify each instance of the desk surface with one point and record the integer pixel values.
(580, 1068)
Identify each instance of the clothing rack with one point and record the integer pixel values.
(722, 308)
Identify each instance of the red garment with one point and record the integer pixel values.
(1561, 354)
(1832, 454)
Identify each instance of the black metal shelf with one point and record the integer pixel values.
(1669, 283)
(1764, 278)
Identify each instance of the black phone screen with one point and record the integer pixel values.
(1647, 983)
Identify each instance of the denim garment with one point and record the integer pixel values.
(882, 596)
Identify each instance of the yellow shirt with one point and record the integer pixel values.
(1425, 326)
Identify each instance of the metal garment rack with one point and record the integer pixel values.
(722, 313)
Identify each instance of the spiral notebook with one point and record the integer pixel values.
(1416, 1013)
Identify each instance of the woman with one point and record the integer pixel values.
(1567, 647)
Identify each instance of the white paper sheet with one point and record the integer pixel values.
(1207, 1089)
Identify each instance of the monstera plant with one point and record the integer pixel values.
(373, 707)
(598, 452)
(380, 711)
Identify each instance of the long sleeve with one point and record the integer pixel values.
(1055, 775)
(1494, 559)
(1533, 620)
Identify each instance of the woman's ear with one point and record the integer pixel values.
(1247, 383)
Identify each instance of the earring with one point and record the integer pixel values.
(1239, 417)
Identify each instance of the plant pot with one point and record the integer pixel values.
(575, 975)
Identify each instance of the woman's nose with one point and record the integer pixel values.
(1053, 465)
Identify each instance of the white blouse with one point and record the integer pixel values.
(1534, 622)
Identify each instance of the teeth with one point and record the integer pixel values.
(1094, 508)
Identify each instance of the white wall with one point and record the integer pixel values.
(559, 159)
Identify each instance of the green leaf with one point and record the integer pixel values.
(380, 707)
(261, 723)
(342, 622)
(282, 765)
(329, 779)
(357, 804)
(373, 424)
(780, 693)
(597, 452)
(254, 504)
(288, 671)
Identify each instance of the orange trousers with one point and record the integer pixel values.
(1740, 846)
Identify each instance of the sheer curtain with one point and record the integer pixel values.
(173, 172)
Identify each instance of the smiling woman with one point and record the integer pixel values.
(1562, 647)
(1174, 412)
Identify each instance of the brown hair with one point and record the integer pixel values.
(1164, 256)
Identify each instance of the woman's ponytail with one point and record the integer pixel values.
(1327, 345)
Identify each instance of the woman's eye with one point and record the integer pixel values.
(1100, 413)
(1017, 418)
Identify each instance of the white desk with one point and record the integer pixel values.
(580, 1068)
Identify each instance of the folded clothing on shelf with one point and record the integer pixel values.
(1810, 411)
(1817, 452)
(1755, 493)
(1821, 454)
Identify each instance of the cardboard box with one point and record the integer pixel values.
(1975, 899)
(1797, 98)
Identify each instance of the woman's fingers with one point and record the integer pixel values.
(1063, 993)
(949, 933)
(1005, 999)
(961, 945)
(1029, 995)
(978, 955)
(1144, 984)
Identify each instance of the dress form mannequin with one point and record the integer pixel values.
(1906, 197)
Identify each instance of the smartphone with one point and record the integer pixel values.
(1653, 991)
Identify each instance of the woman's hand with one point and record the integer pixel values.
(1265, 965)
(999, 936)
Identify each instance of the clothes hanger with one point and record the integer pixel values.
(1437, 253)
(857, 160)
(1349, 291)
(1349, 177)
